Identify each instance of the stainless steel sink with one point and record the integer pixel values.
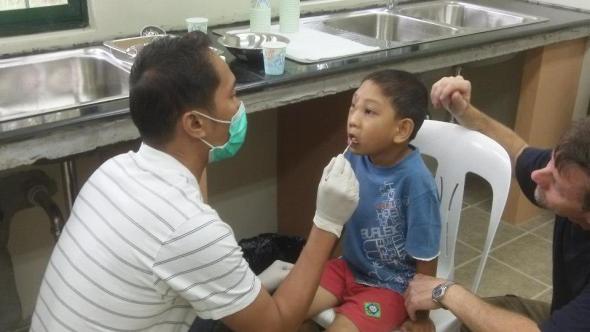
(417, 22)
(466, 15)
(390, 27)
(410, 23)
(45, 83)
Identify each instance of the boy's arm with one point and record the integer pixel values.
(426, 268)
(422, 322)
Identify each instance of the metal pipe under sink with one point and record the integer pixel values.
(392, 5)
(19, 191)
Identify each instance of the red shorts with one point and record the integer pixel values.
(369, 308)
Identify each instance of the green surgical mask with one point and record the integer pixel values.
(238, 126)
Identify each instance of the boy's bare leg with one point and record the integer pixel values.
(342, 324)
(322, 301)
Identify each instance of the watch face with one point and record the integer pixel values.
(437, 292)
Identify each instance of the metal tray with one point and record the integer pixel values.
(130, 46)
(247, 46)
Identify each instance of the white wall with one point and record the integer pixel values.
(110, 19)
(581, 4)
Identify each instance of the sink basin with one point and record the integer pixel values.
(412, 23)
(45, 83)
(388, 26)
(466, 15)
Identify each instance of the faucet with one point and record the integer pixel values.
(392, 5)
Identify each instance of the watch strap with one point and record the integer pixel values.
(439, 292)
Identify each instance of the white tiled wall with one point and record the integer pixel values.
(581, 4)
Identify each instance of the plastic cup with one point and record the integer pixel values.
(289, 16)
(274, 57)
(197, 24)
(260, 19)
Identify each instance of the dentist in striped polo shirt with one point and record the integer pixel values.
(142, 251)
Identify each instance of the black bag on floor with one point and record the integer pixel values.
(259, 251)
(262, 250)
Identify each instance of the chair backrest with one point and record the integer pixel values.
(459, 151)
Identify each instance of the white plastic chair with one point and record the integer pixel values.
(458, 151)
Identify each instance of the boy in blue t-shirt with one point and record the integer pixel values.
(395, 230)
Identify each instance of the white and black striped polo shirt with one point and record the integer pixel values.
(141, 251)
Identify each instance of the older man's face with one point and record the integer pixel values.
(563, 191)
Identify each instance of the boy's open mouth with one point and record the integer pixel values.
(352, 139)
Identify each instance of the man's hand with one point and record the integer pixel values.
(419, 294)
(273, 275)
(421, 325)
(338, 196)
(452, 93)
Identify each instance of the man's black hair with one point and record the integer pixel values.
(170, 76)
(574, 148)
(408, 96)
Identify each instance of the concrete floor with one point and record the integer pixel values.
(520, 260)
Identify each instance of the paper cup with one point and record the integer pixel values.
(197, 24)
(274, 57)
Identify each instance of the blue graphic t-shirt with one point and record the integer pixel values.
(396, 222)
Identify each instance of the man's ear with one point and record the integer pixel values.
(403, 130)
(192, 124)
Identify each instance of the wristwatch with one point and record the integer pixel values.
(439, 292)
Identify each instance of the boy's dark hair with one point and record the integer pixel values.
(574, 148)
(170, 76)
(408, 96)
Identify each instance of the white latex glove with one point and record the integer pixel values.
(273, 275)
(338, 196)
